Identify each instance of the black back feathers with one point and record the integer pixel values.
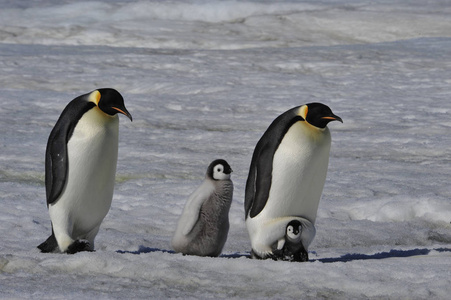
(56, 159)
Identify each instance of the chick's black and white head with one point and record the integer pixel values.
(294, 231)
(219, 170)
(318, 114)
(109, 101)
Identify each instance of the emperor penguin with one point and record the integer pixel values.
(287, 175)
(80, 168)
(204, 224)
(290, 247)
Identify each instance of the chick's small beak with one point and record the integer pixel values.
(125, 112)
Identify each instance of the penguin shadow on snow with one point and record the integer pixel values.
(344, 258)
(143, 249)
(381, 255)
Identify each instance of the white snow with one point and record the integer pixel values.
(203, 80)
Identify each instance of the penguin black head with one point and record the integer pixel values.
(318, 114)
(109, 101)
(294, 230)
(219, 170)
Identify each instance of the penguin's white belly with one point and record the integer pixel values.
(299, 172)
(92, 158)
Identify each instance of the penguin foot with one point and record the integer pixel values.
(50, 245)
(255, 255)
(79, 246)
(267, 255)
(299, 256)
(284, 255)
(277, 254)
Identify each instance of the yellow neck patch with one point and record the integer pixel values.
(303, 110)
(94, 97)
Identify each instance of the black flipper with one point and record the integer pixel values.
(56, 159)
(258, 183)
(50, 244)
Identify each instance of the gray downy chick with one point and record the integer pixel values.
(204, 224)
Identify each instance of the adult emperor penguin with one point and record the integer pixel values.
(287, 175)
(204, 224)
(80, 168)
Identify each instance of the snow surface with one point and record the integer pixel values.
(203, 80)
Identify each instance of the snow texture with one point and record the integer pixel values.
(203, 80)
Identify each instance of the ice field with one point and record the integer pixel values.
(203, 80)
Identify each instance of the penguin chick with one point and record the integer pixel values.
(287, 173)
(290, 247)
(80, 168)
(270, 240)
(204, 224)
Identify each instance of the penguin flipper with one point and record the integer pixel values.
(280, 243)
(249, 193)
(55, 167)
(259, 181)
(56, 159)
(50, 245)
(191, 212)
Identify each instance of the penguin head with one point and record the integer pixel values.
(318, 114)
(109, 101)
(219, 170)
(293, 231)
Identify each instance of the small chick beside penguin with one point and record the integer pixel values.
(204, 224)
(290, 247)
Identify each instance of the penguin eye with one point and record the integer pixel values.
(219, 173)
(290, 229)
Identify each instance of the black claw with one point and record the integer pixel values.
(79, 246)
(255, 255)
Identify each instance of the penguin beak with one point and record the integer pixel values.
(124, 111)
(333, 118)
